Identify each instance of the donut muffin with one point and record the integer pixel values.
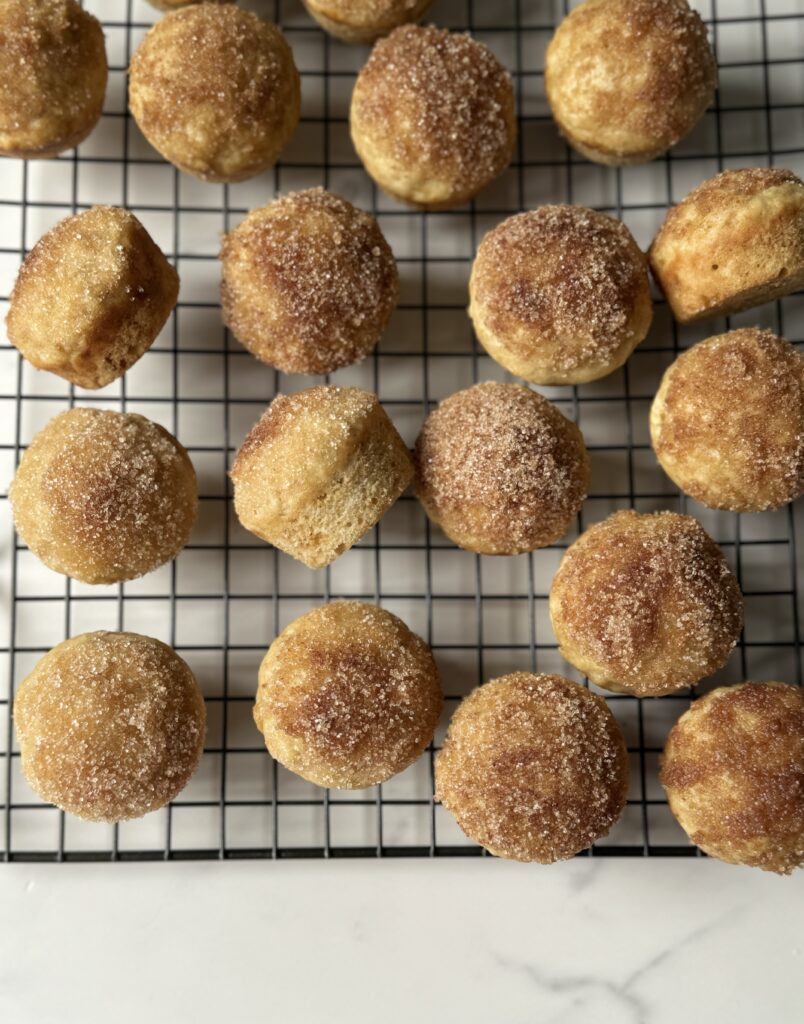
(91, 297)
(347, 696)
(500, 470)
(734, 242)
(214, 89)
(319, 469)
(104, 496)
(432, 116)
(628, 79)
(560, 295)
(534, 768)
(727, 422)
(363, 21)
(309, 282)
(110, 726)
(53, 76)
(733, 770)
(646, 604)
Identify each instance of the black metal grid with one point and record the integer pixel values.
(762, 549)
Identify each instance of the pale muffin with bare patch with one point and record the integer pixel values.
(363, 21)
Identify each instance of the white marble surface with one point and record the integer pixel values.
(587, 942)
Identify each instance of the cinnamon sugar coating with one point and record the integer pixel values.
(215, 90)
(348, 696)
(500, 469)
(560, 295)
(110, 726)
(628, 79)
(104, 496)
(53, 76)
(91, 297)
(363, 21)
(646, 604)
(432, 116)
(736, 241)
(727, 423)
(534, 767)
(733, 770)
(309, 282)
(318, 470)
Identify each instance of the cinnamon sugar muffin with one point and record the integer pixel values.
(53, 76)
(363, 21)
(171, 5)
(91, 297)
(727, 422)
(214, 89)
(734, 242)
(309, 282)
(628, 79)
(560, 295)
(432, 116)
(646, 604)
(348, 696)
(110, 726)
(104, 496)
(733, 770)
(319, 469)
(534, 767)
(500, 470)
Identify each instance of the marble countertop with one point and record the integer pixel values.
(585, 942)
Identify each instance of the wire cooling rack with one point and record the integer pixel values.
(225, 598)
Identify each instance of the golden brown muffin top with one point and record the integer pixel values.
(649, 599)
(499, 463)
(734, 771)
(534, 767)
(438, 98)
(110, 725)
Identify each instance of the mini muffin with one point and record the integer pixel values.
(347, 696)
(319, 469)
(309, 282)
(734, 242)
(214, 89)
(534, 768)
(363, 21)
(628, 79)
(432, 116)
(500, 470)
(171, 5)
(560, 295)
(733, 770)
(110, 726)
(104, 496)
(727, 422)
(91, 297)
(646, 604)
(53, 76)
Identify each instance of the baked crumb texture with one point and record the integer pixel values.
(363, 21)
(110, 726)
(214, 89)
(628, 79)
(736, 241)
(319, 469)
(534, 767)
(104, 496)
(309, 282)
(500, 469)
(733, 770)
(560, 295)
(53, 76)
(432, 116)
(646, 604)
(91, 297)
(727, 422)
(348, 696)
